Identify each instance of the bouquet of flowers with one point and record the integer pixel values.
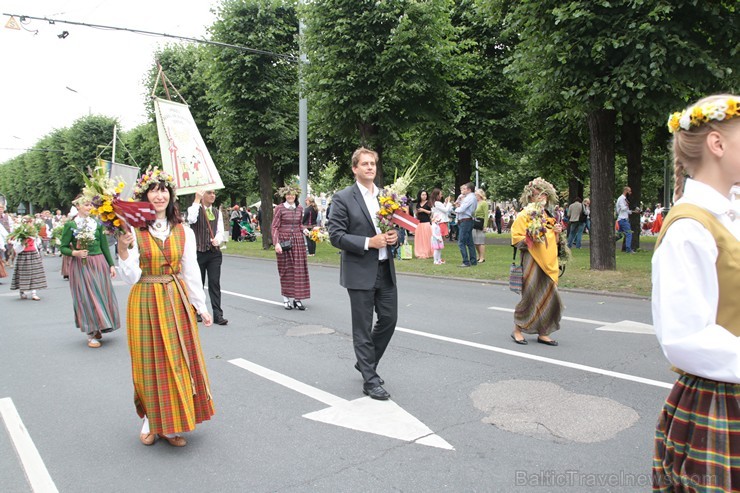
(84, 236)
(393, 197)
(105, 195)
(537, 223)
(318, 235)
(101, 191)
(56, 234)
(24, 231)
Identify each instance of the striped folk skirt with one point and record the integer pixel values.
(29, 272)
(3, 272)
(697, 440)
(66, 262)
(170, 379)
(293, 269)
(94, 301)
(540, 309)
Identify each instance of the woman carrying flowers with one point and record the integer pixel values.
(90, 272)
(535, 234)
(696, 278)
(29, 269)
(295, 284)
(171, 389)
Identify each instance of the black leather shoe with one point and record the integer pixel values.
(549, 343)
(288, 305)
(520, 341)
(221, 321)
(297, 304)
(377, 393)
(357, 367)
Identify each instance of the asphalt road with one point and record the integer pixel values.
(499, 417)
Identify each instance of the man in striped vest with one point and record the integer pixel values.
(207, 223)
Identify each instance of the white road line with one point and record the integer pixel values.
(567, 364)
(291, 383)
(572, 319)
(36, 472)
(262, 300)
(542, 359)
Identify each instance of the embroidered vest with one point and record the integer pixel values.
(728, 261)
(200, 228)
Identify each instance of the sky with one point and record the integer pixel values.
(47, 83)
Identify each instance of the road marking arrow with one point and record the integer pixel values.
(384, 418)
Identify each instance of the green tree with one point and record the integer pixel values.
(629, 60)
(256, 95)
(376, 69)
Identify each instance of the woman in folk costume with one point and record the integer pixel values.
(90, 273)
(29, 274)
(292, 266)
(696, 278)
(171, 389)
(540, 309)
(3, 242)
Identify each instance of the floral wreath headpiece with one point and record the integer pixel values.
(150, 176)
(539, 185)
(291, 189)
(694, 116)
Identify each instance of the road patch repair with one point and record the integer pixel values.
(546, 411)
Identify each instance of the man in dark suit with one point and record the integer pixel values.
(367, 269)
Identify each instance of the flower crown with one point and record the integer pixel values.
(291, 189)
(539, 185)
(150, 176)
(694, 116)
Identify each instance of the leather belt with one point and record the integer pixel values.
(465, 219)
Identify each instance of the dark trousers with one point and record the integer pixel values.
(210, 263)
(370, 342)
(311, 245)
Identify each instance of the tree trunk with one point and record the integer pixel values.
(632, 139)
(264, 174)
(601, 126)
(464, 168)
(575, 180)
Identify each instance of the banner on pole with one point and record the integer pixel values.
(127, 174)
(184, 154)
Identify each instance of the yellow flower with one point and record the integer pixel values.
(121, 185)
(116, 222)
(673, 124)
(732, 109)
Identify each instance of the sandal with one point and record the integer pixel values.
(24, 296)
(148, 438)
(288, 305)
(93, 343)
(98, 335)
(175, 441)
(35, 298)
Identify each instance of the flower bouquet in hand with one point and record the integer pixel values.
(24, 231)
(537, 224)
(393, 197)
(84, 237)
(317, 235)
(105, 196)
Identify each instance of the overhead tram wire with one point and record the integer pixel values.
(256, 51)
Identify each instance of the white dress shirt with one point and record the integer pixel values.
(623, 208)
(130, 270)
(443, 210)
(686, 291)
(219, 234)
(467, 206)
(373, 206)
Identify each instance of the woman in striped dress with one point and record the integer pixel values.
(540, 309)
(90, 272)
(295, 285)
(29, 274)
(171, 389)
(696, 278)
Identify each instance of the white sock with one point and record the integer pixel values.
(33, 292)
(286, 299)
(145, 427)
(437, 256)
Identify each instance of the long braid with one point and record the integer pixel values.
(679, 178)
